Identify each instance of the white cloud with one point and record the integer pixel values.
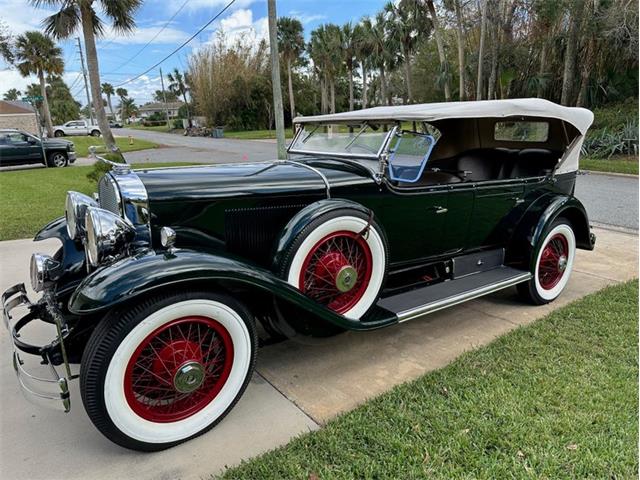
(194, 5)
(12, 79)
(241, 24)
(20, 16)
(142, 35)
(306, 18)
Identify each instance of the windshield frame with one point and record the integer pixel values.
(364, 156)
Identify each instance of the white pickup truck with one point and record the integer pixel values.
(76, 127)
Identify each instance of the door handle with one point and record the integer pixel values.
(518, 200)
(439, 209)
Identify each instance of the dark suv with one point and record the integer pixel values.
(20, 148)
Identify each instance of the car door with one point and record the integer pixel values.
(493, 204)
(20, 150)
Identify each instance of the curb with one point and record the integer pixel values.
(609, 174)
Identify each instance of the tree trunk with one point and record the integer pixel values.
(483, 27)
(407, 75)
(109, 103)
(94, 77)
(383, 86)
(122, 110)
(186, 104)
(323, 95)
(292, 102)
(45, 105)
(569, 72)
(543, 69)
(351, 88)
(587, 66)
(444, 67)
(495, 45)
(364, 85)
(333, 95)
(460, 38)
(278, 110)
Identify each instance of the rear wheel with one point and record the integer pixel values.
(57, 160)
(553, 264)
(168, 369)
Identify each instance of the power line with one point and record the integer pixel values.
(183, 44)
(154, 37)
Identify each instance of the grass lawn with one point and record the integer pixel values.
(556, 399)
(155, 128)
(29, 199)
(256, 134)
(614, 164)
(83, 143)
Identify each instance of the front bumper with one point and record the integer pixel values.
(54, 390)
(72, 157)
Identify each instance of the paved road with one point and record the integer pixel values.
(610, 200)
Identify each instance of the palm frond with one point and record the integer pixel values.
(121, 13)
(63, 23)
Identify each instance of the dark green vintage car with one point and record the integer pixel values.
(377, 217)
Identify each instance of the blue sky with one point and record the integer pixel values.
(115, 53)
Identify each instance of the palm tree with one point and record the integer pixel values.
(108, 90)
(409, 24)
(128, 106)
(178, 86)
(349, 48)
(82, 13)
(382, 52)
(12, 94)
(325, 51)
(444, 66)
(364, 49)
(291, 46)
(37, 54)
(122, 95)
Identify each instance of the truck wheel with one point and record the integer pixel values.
(168, 369)
(58, 133)
(553, 264)
(57, 160)
(95, 133)
(340, 260)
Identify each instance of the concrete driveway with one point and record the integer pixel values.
(297, 387)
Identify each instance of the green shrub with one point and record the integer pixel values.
(607, 142)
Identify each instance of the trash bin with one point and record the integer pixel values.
(218, 132)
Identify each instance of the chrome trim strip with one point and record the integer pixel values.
(327, 186)
(463, 297)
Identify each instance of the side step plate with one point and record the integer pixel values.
(412, 304)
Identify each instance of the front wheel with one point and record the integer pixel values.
(553, 265)
(58, 133)
(167, 370)
(57, 160)
(95, 133)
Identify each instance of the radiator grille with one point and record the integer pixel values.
(252, 232)
(109, 195)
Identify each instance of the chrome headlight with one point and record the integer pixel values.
(107, 234)
(74, 212)
(40, 270)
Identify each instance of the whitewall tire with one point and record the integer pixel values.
(340, 260)
(168, 369)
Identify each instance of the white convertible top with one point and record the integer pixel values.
(581, 118)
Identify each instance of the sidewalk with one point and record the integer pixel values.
(297, 387)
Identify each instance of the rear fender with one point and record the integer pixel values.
(537, 219)
(149, 272)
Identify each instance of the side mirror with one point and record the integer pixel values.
(32, 141)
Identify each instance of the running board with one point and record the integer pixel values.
(412, 304)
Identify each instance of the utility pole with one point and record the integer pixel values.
(164, 97)
(86, 85)
(275, 79)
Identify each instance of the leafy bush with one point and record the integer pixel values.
(607, 142)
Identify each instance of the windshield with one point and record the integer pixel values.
(361, 140)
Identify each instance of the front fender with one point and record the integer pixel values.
(71, 257)
(306, 215)
(150, 271)
(540, 215)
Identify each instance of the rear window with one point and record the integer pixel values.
(521, 131)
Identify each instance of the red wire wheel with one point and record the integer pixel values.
(178, 369)
(553, 261)
(337, 270)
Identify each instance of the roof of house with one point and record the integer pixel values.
(12, 107)
(160, 106)
(581, 118)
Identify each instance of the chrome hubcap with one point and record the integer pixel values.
(562, 263)
(346, 278)
(188, 377)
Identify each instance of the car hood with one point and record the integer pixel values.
(56, 143)
(250, 179)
